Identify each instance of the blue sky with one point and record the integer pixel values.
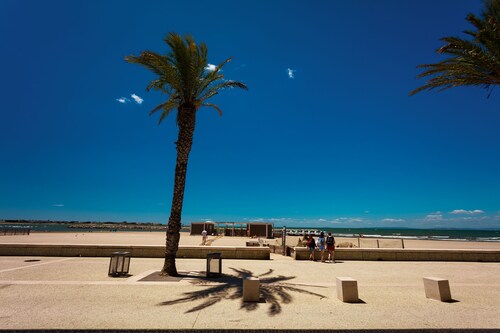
(326, 136)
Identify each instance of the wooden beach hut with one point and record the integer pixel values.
(198, 227)
(260, 229)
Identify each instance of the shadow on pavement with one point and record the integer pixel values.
(274, 290)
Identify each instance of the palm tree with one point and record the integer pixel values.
(188, 82)
(474, 62)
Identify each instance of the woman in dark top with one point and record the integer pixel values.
(311, 244)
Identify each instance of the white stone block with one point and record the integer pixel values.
(347, 289)
(437, 288)
(251, 289)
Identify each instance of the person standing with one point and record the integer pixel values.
(311, 244)
(330, 247)
(321, 245)
(305, 241)
(204, 234)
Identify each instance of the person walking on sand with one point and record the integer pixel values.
(330, 247)
(204, 234)
(321, 245)
(311, 244)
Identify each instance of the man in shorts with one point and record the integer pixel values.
(330, 247)
(204, 237)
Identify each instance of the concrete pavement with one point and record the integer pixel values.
(76, 293)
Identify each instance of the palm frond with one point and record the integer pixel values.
(211, 77)
(159, 65)
(167, 107)
(213, 106)
(181, 74)
(214, 90)
(474, 62)
(189, 60)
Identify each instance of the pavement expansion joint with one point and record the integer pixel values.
(34, 265)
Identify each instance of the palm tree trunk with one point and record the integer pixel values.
(186, 118)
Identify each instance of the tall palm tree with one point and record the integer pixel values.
(474, 62)
(184, 76)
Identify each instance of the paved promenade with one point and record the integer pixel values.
(76, 293)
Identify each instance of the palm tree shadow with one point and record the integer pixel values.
(274, 290)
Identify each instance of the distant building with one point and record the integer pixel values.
(245, 229)
(260, 229)
(198, 227)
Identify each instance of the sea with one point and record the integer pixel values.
(491, 235)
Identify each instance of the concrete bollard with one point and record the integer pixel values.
(251, 289)
(347, 289)
(437, 288)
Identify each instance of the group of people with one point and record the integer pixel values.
(323, 243)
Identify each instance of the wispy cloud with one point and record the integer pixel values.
(279, 219)
(137, 99)
(346, 220)
(211, 67)
(393, 220)
(58, 205)
(437, 216)
(468, 212)
(123, 100)
(291, 73)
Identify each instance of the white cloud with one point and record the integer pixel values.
(279, 219)
(291, 73)
(254, 219)
(346, 220)
(434, 217)
(123, 100)
(137, 99)
(367, 212)
(58, 205)
(210, 67)
(393, 220)
(321, 220)
(468, 212)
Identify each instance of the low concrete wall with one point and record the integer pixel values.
(302, 253)
(144, 251)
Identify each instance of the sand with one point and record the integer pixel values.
(158, 238)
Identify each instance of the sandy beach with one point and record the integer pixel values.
(158, 238)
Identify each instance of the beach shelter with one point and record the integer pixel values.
(260, 229)
(198, 227)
